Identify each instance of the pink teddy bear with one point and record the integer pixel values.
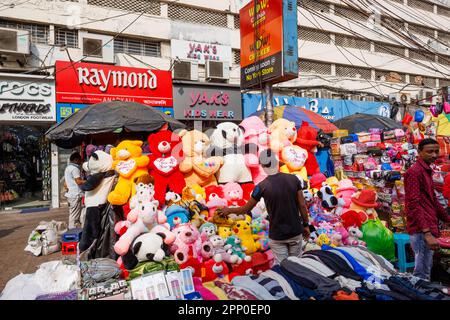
(188, 241)
(233, 194)
(345, 191)
(256, 133)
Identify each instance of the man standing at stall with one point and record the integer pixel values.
(283, 196)
(423, 209)
(73, 180)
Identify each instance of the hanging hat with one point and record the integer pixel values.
(316, 180)
(307, 135)
(366, 199)
(346, 184)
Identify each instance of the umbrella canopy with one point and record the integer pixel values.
(107, 117)
(298, 115)
(361, 122)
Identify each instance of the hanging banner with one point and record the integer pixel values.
(269, 43)
(91, 83)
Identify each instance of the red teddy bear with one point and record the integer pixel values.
(166, 154)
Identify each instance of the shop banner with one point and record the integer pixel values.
(200, 51)
(269, 50)
(330, 109)
(196, 102)
(93, 83)
(29, 99)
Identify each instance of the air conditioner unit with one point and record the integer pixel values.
(426, 97)
(400, 97)
(14, 41)
(185, 70)
(217, 70)
(96, 47)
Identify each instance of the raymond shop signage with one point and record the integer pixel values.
(93, 83)
(269, 43)
(192, 102)
(29, 99)
(200, 51)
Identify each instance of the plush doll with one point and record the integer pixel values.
(227, 140)
(234, 244)
(207, 230)
(140, 220)
(177, 215)
(307, 139)
(130, 164)
(339, 207)
(325, 194)
(345, 190)
(294, 159)
(188, 243)
(223, 225)
(336, 240)
(199, 213)
(146, 247)
(333, 182)
(223, 250)
(307, 194)
(365, 202)
(260, 210)
(214, 268)
(353, 218)
(323, 239)
(97, 187)
(166, 154)
(197, 168)
(243, 230)
(173, 198)
(282, 134)
(354, 234)
(260, 227)
(256, 133)
(145, 191)
(233, 194)
(316, 180)
(215, 199)
(194, 193)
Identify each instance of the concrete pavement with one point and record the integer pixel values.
(14, 231)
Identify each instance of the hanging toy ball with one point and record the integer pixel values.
(419, 115)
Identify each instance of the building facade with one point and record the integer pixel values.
(357, 50)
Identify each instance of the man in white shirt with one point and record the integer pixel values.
(72, 176)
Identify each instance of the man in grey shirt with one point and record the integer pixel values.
(72, 176)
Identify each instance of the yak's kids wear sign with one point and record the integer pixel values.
(200, 102)
(200, 51)
(29, 99)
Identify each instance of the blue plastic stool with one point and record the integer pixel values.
(401, 240)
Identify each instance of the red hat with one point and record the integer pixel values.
(352, 218)
(307, 135)
(366, 199)
(316, 180)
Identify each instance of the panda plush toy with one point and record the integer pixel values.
(146, 247)
(97, 187)
(329, 201)
(227, 140)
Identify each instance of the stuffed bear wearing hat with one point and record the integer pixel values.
(97, 187)
(166, 153)
(345, 190)
(196, 167)
(307, 139)
(227, 140)
(365, 202)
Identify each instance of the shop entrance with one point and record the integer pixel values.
(25, 169)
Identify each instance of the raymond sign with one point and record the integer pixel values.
(269, 44)
(91, 83)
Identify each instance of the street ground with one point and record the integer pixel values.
(14, 231)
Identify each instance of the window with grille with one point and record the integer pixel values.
(137, 47)
(148, 6)
(314, 5)
(237, 22)
(353, 72)
(389, 49)
(237, 57)
(444, 37)
(39, 33)
(419, 4)
(445, 60)
(443, 11)
(422, 80)
(66, 37)
(307, 66)
(389, 76)
(313, 35)
(349, 13)
(352, 42)
(390, 22)
(429, 82)
(423, 31)
(209, 17)
(421, 55)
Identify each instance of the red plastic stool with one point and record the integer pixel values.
(68, 248)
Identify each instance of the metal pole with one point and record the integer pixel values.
(269, 105)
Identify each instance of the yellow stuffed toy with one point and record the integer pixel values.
(249, 241)
(197, 169)
(223, 225)
(130, 164)
(294, 159)
(323, 239)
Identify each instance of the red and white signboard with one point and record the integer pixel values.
(91, 83)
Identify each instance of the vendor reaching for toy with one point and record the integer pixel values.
(284, 200)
